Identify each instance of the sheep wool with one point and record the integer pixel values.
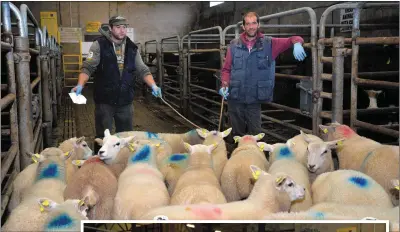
(172, 168)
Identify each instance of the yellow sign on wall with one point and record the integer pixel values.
(93, 26)
(49, 19)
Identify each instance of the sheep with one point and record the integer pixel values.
(294, 168)
(305, 215)
(141, 185)
(174, 140)
(381, 162)
(96, 184)
(198, 183)
(172, 168)
(219, 155)
(26, 177)
(111, 145)
(49, 183)
(372, 94)
(319, 156)
(236, 178)
(394, 191)
(349, 187)
(65, 216)
(271, 194)
(299, 146)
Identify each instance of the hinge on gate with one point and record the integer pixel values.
(21, 57)
(316, 94)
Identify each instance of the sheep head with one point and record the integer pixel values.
(372, 94)
(112, 144)
(248, 139)
(336, 131)
(318, 152)
(81, 148)
(205, 133)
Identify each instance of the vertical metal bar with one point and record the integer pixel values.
(24, 97)
(13, 110)
(159, 57)
(338, 53)
(39, 72)
(54, 81)
(5, 6)
(189, 80)
(59, 76)
(354, 67)
(185, 82)
(46, 97)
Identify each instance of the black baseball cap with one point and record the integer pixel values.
(117, 20)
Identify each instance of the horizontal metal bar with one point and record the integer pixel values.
(363, 40)
(172, 95)
(287, 108)
(7, 100)
(204, 118)
(204, 108)
(204, 88)
(6, 46)
(33, 51)
(376, 128)
(326, 95)
(170, 65)
(328, 76)
(383, 110)
(6, 163)
(35, 82)
(169, 52)
(289, 125)
(325, 59)
(274, 134)
(270, 122)
(168, 79)
(204, 50)
(293, 77)
(173, 88)
(5, 132)
(204, 69)
(375, 83)
(271, 111)
(206, 99)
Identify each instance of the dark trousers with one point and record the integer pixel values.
(244, 116)
(104, 116)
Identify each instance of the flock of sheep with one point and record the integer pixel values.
(145, 176)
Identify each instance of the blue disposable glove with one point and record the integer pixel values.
(156, 91)
(224, 92)
(298, 52)
(77, 89)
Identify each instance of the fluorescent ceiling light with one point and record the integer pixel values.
(190, 225)
(215, 3)
(217, 231)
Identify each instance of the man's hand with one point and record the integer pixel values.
(224, 92)
(77, 89)
(298, 52)
(156, 91)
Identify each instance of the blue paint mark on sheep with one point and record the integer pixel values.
(318, 215)
(178, 157)
(51, 171)
(285, 153)
(142, 155)
(61, 221)
(151, 135)
(359, 181)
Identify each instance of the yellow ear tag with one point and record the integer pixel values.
(157, 145)
(41, 209)
(262, 147)
(325, 130)
(236, 140)
(78, 162)
(259, 136)
(204, 131)
(66, 153)
(45, 203)
(37, 155)
(256, 174)
(397, 187)
(340, 143)
(131, 147)
(34, 159)
(279, 180)
(81, 203)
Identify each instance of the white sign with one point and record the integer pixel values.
(130, 32)
(346, 18)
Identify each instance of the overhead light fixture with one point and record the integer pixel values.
(190, 225)
(218, 231)
(214, 3)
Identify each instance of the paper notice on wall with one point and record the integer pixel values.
(130, 32)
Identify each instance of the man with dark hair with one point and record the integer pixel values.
(248, 74)
(114, 61)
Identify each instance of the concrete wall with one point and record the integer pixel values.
(151, 20)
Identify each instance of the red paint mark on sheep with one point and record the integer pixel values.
(346, 131)
(207, 213)
(94, 159)
(248, 138)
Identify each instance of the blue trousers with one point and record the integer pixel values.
(105, 114)
(245, 118)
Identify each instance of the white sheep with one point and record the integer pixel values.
(111, 145)
(349, 187)
(381, 162)
(89, 184)
(141, 185)
(49, 183)
(299, 146)
(25, 178)
(198, 183)
(219, 154)
(174, 140)
(270, 194)
(236, 177)
(372, 94)
(293, 168)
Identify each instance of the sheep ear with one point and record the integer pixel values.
(334, 144)
(107, 133)
(226, 132)
(36, 157)
(127, 140)
(188, 147)
(202, 132)
(290, 143)
(265, 146)
(259, 136)
(78, 162)
(99, 141)
(280, 180)
(236, 138)
(46, 204)
(305, 137)
(255, 171)
(80, 140)
(378, 92)
(211, 147)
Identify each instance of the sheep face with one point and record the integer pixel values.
(287, 184)
(112, 145)
(372, 94)
(319, 152)
(82, 149)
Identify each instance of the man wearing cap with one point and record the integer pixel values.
(114, 61)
